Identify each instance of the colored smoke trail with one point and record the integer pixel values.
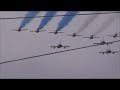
(87, 22)
(105, 24)
(45, 20)
(27, 20)
(66, 20)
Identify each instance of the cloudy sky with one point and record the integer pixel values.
(84, 63)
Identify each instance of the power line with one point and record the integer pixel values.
(46, 54)
(61, 15)
(52, 53)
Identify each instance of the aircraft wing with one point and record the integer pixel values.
(96, 37)
(66, 46)
(86, 37)
(97, 43)
(79, 35)
(20, 30)
(102, 52)
(60, 32)
(57, 32)
(38, 31)
(53, 46)
(113, 36)
(114, 41)
(32, 31)
(116, 51)
(110, 35)
(69, 35)
(52, 32)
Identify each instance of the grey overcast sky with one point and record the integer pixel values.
(84, 63)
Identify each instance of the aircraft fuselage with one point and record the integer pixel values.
(91, 37)
(74, 34)
(108, 51)
(55, 32)
(59, 46)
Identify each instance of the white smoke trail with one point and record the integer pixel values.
(87, 22)
(105, 24)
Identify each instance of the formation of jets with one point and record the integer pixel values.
(108, 51)
(103, 42)
(90, 37)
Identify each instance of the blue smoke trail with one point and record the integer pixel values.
(27, 20)
(45, 20)
(66, 19)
